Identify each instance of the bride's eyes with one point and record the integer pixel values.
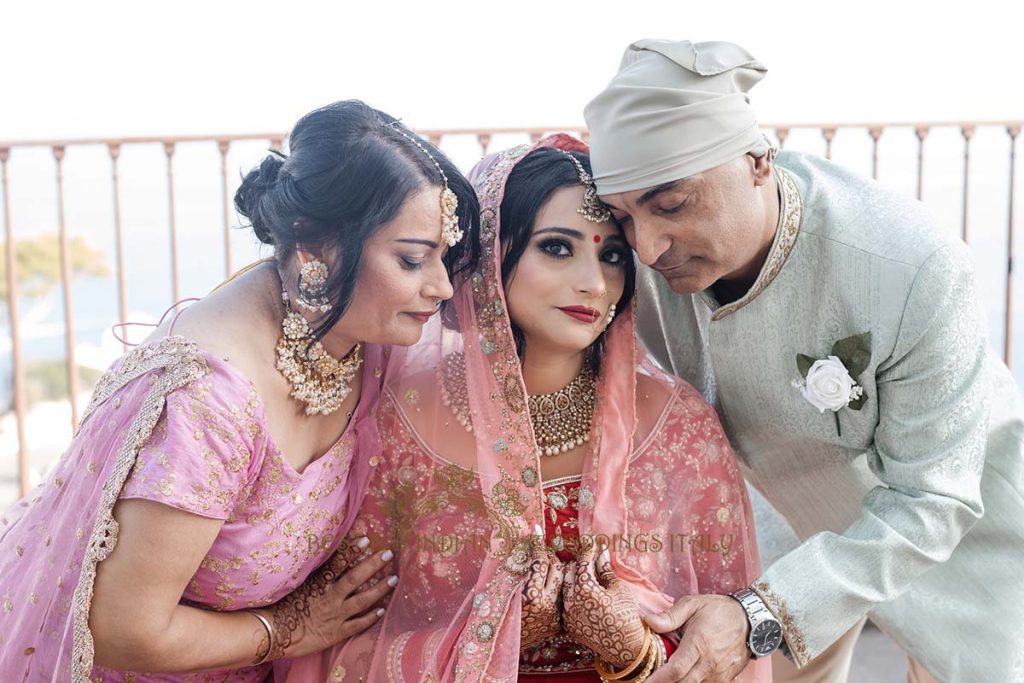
(614, 257)
(555, 248)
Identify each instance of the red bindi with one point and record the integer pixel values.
(597, 239)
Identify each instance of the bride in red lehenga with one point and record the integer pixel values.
(529, 405)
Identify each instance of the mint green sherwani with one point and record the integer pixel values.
(915, 515)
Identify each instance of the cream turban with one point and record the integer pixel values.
(675, 108)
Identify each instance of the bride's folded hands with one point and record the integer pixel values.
(542, 618)
(599, 611)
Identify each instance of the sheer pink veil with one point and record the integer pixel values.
(440, 487)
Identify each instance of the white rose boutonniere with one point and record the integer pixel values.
(829, 383)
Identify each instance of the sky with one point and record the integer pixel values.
(77, 69)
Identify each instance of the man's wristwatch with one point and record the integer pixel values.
(765, 630)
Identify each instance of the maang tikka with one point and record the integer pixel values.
(592, 208)
(313, 287)
(451, 233)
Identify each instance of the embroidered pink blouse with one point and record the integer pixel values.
(208, 452)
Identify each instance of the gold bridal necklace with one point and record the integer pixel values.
(561, 420)
(318, 379)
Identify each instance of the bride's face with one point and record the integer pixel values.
(567, 279)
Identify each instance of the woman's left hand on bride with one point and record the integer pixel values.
(599, 610)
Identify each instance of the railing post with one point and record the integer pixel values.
(17, 370)
(65, 281)
(485, 141)
(828, 134)
(1014, 131)
(875, 134)
(223, 146)
(922, 133)
(968, 133)
(122, 292)
(175, 276)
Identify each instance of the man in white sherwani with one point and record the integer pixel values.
(839, 335)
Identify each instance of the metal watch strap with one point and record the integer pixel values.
(753, 605)
(757, 611)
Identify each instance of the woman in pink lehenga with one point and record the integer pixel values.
(220, 463)
(530, 406)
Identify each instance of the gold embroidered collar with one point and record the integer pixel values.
(790, 212)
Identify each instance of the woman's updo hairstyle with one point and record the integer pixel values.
(348, 172)
(530, 184)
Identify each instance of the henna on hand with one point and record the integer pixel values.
(292, 612)
(600, 612)
(541, 615)
(291, 615)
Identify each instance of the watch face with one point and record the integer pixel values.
(765, 638)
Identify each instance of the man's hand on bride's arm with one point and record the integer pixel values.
(713, 646)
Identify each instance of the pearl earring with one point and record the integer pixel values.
(611, 316)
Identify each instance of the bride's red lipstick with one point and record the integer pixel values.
(584, 314)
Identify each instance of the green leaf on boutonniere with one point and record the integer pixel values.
(804, 363)
(855, 353)
(858, 402)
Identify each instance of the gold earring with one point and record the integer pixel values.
(313, 287)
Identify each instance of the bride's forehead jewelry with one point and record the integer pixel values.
(592, 208)
(451, 233)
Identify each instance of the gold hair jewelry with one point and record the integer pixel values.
(592, 208)
(313, 287)
(451, 233)
(318, 379)
(561, 420)
(262, 659)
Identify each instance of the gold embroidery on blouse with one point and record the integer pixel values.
(182, 363)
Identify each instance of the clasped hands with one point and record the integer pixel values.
(598, 610)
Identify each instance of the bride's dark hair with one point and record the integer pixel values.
(348, 172)
(530, 184)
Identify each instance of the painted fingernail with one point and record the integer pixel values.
(363, 542)
(386, 555)
(392, 580)
(538, 530)
(380, 612)
(605, 555)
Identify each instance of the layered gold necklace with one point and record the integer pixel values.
(318, 380)
(561, 420)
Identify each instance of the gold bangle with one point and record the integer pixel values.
(607, 673)
(662, 653)
(649, 665)
(654, 660)
(270, 639)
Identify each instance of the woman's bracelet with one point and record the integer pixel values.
(262, 659)
(650, 657)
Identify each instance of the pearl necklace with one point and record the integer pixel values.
(561, 420)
